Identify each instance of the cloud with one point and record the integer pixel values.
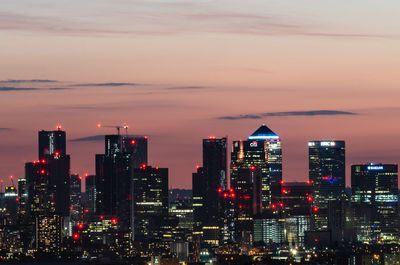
(96, 138)
(14, 88)
(157, 19)
(5, 129)
(28, 81)
(111, 84)
(59, 88)
(186, 88)
(11, 88)
(92, 138)
(288, 113)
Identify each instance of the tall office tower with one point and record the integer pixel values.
(90, 192)
(375, 197)
(22, 200)
(51, 142)
(327, 169)
(248, 191)
(262, 149)
(48, 190)
(114, 176)
(150, 203)
(180, 205)
(297, 207)
(42, 214)
(198, 188)
(205, 184)
(227, 211)
(10, 204)
(75, 198)
(52, 152)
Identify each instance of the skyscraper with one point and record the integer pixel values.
(113, 177)
(51, 142)
(375, 198)
(263, 150)
(90, 192)
(327, 169)
(75, 198)
(48, 191)
(206, 183)
(150, 203)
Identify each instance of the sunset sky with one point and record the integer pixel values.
(179, 71)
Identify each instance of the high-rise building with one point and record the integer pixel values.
(52, 142)
(90, 192)
(47, 192)
(10, 204)
(206, 182)
(150, 203)
(327, 169)
(75, 198)
(22, 200)
(263, 150)
(248, 193)
(113, 177)
(375, 199)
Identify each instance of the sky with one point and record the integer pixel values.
(180, 71)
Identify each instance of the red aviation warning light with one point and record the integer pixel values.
(225, 195)
(80, 226)
(76, 236)
(101, 217)
(212, 137)
(133, 142)
(219, 190)
(309, 198)
(252, 168)
(59, 127)
(315, 209)
(281, 204)
(273, 206)
(42, 171)
(114, 221)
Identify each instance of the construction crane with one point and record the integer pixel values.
(118, 127)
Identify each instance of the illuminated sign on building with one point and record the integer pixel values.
(375, 167)
(327, 143)
(253, 144)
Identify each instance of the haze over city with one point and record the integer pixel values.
(179, 71)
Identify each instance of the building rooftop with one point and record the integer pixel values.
(264, 133)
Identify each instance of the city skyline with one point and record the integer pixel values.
(94, 141)
(179, 71)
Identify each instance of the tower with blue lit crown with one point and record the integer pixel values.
(261, 153)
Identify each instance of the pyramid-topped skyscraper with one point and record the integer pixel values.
(264, 133)
(256, 173)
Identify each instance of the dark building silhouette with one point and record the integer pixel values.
(113, 177)
(90, 192)
(75, 198)
(52, 142)
(47, 192)
(208, 180)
